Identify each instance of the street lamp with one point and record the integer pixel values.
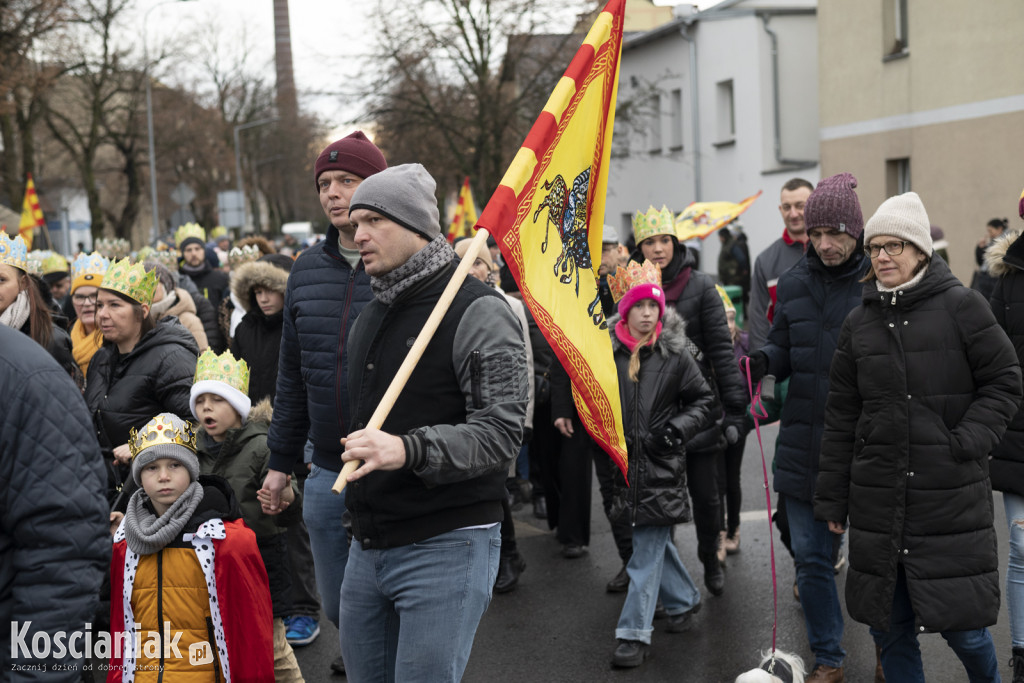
(238, 157)
(149, 120)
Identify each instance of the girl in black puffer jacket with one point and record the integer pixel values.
(260, 287)
(665, 401)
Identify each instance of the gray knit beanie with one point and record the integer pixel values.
(834, 204)
(154, 432)
(404, 194)
(903, 217)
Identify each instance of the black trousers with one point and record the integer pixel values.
(609, 476)
(702, 481)
(568, 486)
(730, 489)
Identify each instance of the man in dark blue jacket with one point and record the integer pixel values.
(814, 297)
(327, 288)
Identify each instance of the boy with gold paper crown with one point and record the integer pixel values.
(232, 443)
(193, 591)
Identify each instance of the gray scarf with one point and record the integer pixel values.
(424, 263)
(146, 533)
(158, 309)
(17, 313)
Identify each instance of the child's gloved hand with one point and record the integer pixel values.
(663, 442)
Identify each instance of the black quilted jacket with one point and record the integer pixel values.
(54, 540)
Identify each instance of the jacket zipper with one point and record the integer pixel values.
(160, 609)
(341, 343)
(476, 372)
(636, 439)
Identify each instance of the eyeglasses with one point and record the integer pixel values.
(891, 248)
(80, 299)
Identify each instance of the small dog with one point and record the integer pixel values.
(785, 667)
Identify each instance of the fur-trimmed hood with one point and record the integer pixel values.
(672, 339)
(248, 276)
(1005, 254)
(261, 412)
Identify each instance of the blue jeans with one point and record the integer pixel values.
(1014, 505)
(410, 613)
(901, 652)
(322, 511)
(815, 576)
(654, 569)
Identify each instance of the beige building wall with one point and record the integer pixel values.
(952, 103)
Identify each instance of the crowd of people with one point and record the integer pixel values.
(211, 394)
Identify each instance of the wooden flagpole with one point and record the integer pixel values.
(419, 346)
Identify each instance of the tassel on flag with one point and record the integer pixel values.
(31, 214)
(547, 216)
(465, 214)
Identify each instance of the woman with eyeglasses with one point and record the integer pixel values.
(86, 278)
(922, 386)
(23, 305)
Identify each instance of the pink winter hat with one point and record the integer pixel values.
(642, 291)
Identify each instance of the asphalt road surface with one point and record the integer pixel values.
(559, 624)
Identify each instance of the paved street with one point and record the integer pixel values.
(559, 624)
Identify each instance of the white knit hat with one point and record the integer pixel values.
(904, 217)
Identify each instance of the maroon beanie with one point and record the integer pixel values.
(353, 153)
(834, 204)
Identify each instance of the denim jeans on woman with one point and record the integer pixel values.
(1014, 506)
(654, 569)
(410, 613)
(901, 651)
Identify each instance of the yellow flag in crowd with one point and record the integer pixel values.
(31, 214)
(465, 214)
(541, 216)
(700, 219)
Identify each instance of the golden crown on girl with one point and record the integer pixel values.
(625, 279)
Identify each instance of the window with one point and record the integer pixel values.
(897, 176)
(726, 114)
(894, 27)
(654, 133)
(676, 133)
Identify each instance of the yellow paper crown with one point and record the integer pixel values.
(652, 223)
(726, 299)
(160, 431)
(13, 252)
(189, 230)
(223, 368)
(54, 263)
(132, 280)
(239, 255)
(625, 279)
(218, 232)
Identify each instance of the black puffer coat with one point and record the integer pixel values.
(671, 390)
(1005, 260)
(923, 384)
(126, 391)
(700, 306)
(813, 301)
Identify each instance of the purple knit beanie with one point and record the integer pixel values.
(353, 153)
(834, 204)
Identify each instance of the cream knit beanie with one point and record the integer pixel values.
(903, 217)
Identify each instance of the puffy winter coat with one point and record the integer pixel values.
(257, 338)
(923, 384)
(126, 391)
(813, 301)
(212, 283)
(1005, 260)
(671, 390)
(694, 297)
(184, 309)
(54, 539)
(323, 299)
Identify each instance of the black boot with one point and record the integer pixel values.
(714, 575)
(630, 653)
(1017, 664)
(509, 568)
(619, 584)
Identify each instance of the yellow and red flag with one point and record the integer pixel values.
(547, 215)
(31, 214)
(465, 214)
(700, 219)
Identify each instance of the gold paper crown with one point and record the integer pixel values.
(653, 223)
(167, 257)
(13, 252)
(625, 279)
(132, 280)
(144, 254)
(189, 230)
(160, 431)
(239, 255)
(218, 232)
(93, 264)
(223, 368)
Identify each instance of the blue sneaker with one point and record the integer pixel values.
(301, 630)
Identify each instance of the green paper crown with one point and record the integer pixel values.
(223, 368)
(189, 230)
(653, 223)
(131, 280)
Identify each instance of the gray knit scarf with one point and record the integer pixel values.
(146, 533)
(17, 313)
(424, 263)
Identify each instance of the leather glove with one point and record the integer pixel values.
(758, 367)
(664, 441)
(735, 427)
